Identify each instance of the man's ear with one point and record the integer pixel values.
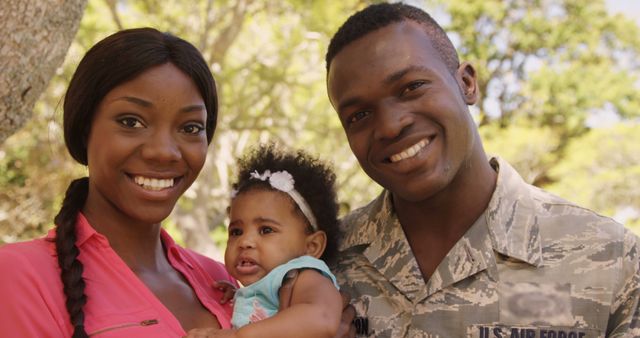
(468, 82)
(316, 243)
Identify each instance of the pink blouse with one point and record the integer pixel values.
(32, 303)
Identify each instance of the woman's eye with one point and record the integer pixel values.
(235, 232)
(266, 230)
(193, 129)
(130, 122)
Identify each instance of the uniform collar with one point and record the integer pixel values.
(510, 217)
(387, 248)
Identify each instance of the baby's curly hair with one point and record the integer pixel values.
(314, 180)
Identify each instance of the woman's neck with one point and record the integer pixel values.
(138, 244)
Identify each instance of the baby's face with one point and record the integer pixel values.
(264, 231)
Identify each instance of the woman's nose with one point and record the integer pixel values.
(161, 146)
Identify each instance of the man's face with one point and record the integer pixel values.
(403, 112)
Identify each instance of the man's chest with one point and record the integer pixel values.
(510, 303)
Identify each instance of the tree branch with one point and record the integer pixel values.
(111, 4)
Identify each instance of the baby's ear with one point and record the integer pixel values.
(316, 242)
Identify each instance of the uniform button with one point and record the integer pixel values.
(362, 325)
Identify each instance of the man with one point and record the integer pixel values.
(458, 245)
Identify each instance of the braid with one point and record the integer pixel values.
(71, 268)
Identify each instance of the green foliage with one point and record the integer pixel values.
(545, 69)
(551, 63)
(602, 170)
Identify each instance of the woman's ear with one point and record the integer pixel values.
(468, 82)
(316, 242)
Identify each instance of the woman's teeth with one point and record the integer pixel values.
(153, 183)
(409, 152)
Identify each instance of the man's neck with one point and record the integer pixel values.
(433, 226)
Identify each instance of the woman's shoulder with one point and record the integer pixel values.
(36, 252)
(29, 263)
(33, 290)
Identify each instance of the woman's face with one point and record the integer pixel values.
(146, 147)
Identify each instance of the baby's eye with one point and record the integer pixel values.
(266, 230)
(193, 128)
(130, 122)
(234, 232)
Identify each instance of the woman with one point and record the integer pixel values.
(139, 112)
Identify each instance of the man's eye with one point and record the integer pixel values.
(130, 122)
(193, 129)
(235, 232)
(413, 86)
(357, 116)
(266, 230)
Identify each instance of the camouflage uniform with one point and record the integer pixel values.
(533, 265)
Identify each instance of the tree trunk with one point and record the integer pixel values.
(34, 39)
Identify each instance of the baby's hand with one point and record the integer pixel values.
(227, 288)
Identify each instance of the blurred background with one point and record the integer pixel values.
(559, 79)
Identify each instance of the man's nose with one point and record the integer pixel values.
(391, 120)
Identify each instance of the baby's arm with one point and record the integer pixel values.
(315, 311)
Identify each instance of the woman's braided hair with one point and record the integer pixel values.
(71, 268)
(117, 59)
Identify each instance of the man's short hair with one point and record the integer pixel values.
(381, 15)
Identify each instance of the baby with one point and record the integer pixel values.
(283, 223)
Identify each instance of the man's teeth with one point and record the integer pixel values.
(153, 183)
(409, 152)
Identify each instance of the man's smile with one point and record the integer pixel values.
(410, 151)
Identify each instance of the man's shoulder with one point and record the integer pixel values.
(366, 212)
(361, 225)
(553, 210)
(567, 229)
(362, 211)
(526, 203)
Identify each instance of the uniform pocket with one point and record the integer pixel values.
(535, 304)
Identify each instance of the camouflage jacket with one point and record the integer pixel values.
(532, 266)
